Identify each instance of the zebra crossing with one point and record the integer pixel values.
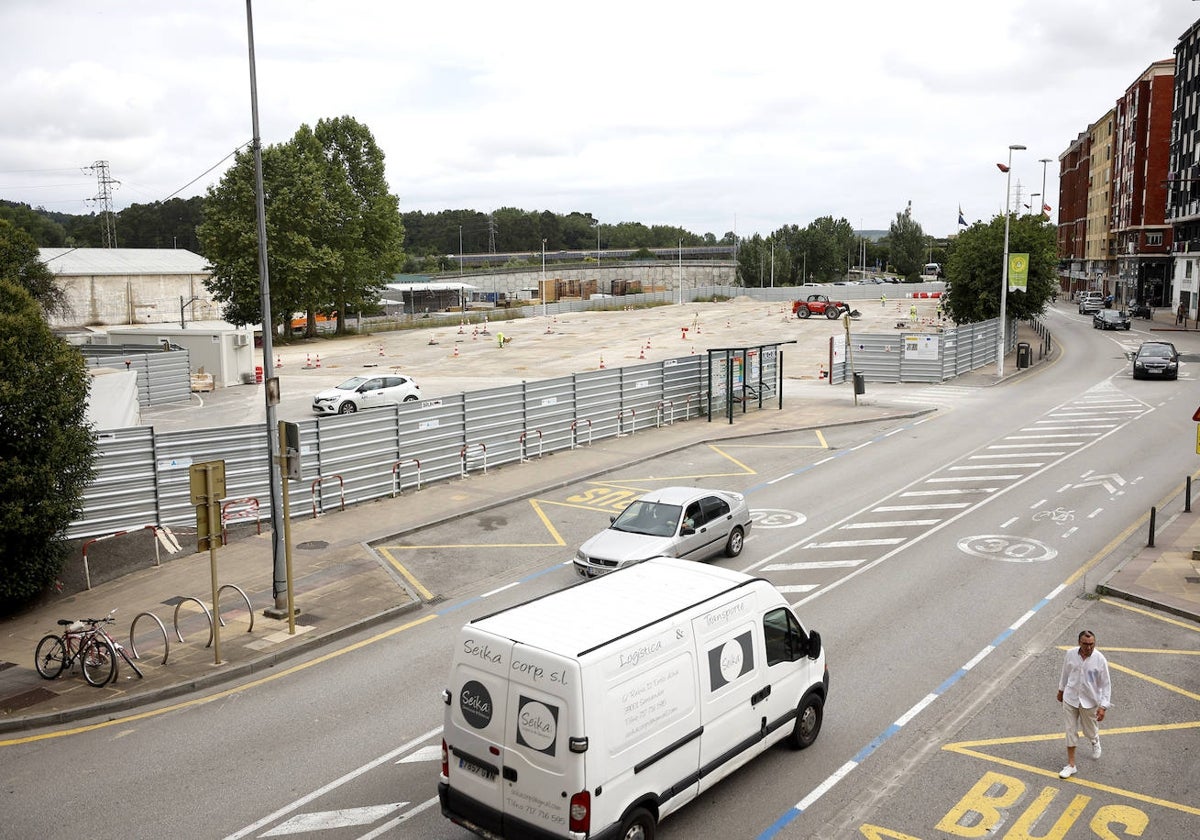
(885, 528)
(941, 396)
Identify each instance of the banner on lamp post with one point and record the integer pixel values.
(1018, 272)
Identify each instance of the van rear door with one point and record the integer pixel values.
(475, 727)
(541, 772)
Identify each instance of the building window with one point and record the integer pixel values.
(1154, 238)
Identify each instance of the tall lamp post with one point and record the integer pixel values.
(543, 289)
(1043, 162)
(1004, 272)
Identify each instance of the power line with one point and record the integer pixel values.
(206, 171)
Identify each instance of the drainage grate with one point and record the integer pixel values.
(26, 699)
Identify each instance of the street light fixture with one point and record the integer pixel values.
(1042, 209)
(1004, 272)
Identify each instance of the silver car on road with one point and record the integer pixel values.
(685, 522)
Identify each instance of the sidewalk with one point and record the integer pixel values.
(342, 586)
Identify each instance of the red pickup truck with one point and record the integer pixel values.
(819, 305)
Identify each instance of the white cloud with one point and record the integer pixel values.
(706, 116)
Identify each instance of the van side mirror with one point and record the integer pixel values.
(814, 644)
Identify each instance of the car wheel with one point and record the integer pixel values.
(808, 722)
(736, 542)
(347, 408)
(1127, 326)
(802, 313)
(639, 825)
(832, 313)
(410, 398)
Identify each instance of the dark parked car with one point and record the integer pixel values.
(1111, 319)
(1156, 358)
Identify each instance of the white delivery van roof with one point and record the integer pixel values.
(574, 620)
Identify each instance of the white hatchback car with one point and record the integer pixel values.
(684, 522)
(360, 392)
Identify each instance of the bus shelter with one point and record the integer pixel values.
(742, 378)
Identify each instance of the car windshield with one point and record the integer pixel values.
(650, 518)
(352, 383)
(1156, 350)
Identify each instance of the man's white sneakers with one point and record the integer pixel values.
(1096, 748)
(1067, 772)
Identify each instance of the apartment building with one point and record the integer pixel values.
(1099, 247)
(1183, 177)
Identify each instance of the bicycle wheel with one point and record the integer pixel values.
(98, 662)
(51, 657)
(129, 660)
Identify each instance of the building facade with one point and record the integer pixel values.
(1099, 248)
(1183, 176)
(1074, 169)
(1141, 144)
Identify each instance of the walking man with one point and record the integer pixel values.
(1084, 690)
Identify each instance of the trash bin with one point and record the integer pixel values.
(860, 384)
(1024, 356)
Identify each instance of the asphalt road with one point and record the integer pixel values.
(946, 560)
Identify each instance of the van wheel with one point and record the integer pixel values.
(802, 312)
(808, 722)
(639, 825)
(736, 542)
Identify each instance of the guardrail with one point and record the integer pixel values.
(524, 451)
(397, 484)
(465, 451)
(315, 496)
(575, 433)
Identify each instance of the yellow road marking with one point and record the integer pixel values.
(425, 594)
(1187, 625)
(199, 701)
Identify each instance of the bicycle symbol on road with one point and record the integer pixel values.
(1056, 515)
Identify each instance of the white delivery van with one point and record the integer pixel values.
(597, 710)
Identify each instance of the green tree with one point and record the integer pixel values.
(46, 232)
(20, 264)
(46, 446)
(368, 234)
(906, 246)
(975, 265)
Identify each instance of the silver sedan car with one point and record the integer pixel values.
(685, 522)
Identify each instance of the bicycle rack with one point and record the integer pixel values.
(397, 484)
(621, 422)
(525, 451)
(245, 508)
(317, 483)
(462, 456)
(241, 592)
(207, 615)
(666, 410)
(166, 642)
(575, 433)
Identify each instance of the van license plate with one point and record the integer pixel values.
(472, 767)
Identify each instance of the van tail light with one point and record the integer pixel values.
(445, 760)
(581, 812)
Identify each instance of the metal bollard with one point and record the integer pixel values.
(1153, 512)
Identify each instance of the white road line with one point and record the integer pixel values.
(501, 589)
(813, 566)
(948, 492)
(336, 783)
(797, 587)
(892, 523)
(388, 826)
(855, 543)
(953, 479)
(936, 506)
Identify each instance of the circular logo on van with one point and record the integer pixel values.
(475, 704)
(731, 660)
(537, 725)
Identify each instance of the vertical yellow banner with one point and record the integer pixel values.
(1018, 272)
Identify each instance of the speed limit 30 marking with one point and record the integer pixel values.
(776, 518)
(1006, 548)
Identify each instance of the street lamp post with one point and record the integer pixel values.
(1043, 162)
(543, 289)
(1033, 203)
(681, 272)
(1004, 271)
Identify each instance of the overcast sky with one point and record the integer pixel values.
(711, 116)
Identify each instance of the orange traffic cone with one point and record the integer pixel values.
(308, 360)
(601, 363)
(642, 353)
(380, 349)
(456, 352)
(318, 360)
(278, 362)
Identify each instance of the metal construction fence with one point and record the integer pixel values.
(143, 475)
(163, 376)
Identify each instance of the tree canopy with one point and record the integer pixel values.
(46, 446)
(975, 265)
(334, 233)
(907, 245)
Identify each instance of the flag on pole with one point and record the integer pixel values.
(1046, 210)
(1001, 167)
(961, 220)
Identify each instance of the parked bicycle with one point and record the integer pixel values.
(87, 642)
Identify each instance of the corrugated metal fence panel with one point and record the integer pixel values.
(684, 383)
(598, 402)
(549, 414)
(356, 454)
(495, 421)
(123, 491)
(242, 448)
(162, 376)
(641, 395)
(435, 433)
(169, 377)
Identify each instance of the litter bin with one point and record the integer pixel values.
(1024, 356)
(860, 384)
